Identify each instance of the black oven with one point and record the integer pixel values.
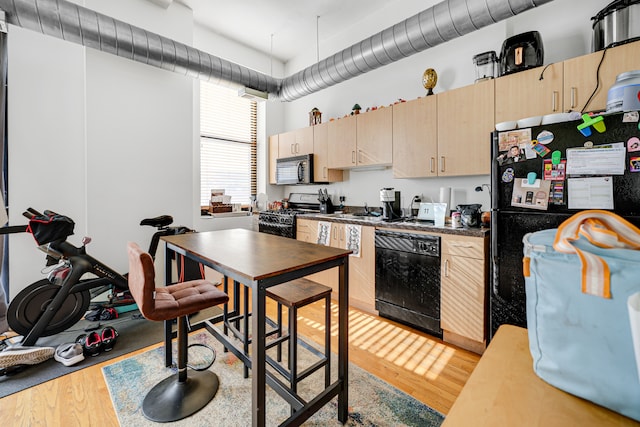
(408, 279)
(281, 223)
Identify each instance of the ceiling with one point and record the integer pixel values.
(291, 22)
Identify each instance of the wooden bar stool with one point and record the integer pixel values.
(177, 396)
(295, 295)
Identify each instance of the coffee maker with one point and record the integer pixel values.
(391, 209)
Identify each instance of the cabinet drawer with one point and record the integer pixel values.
(470, 247)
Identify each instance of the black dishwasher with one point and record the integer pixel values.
(408, 279)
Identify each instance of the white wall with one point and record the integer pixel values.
(565, 28)
(108, 141)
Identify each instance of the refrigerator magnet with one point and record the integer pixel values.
(634, 164)
(633, 144)
(539, 148)
(545, 137)
(507, 176)
(630, 117)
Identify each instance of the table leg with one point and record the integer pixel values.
(168, 332)
(343, 340)
(258, 368)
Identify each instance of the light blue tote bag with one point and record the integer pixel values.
(578, 279)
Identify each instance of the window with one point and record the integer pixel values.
(227, 144)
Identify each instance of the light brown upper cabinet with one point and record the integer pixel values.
(342, 143)
(361, 140)
(415, 138)
(273, 156)
(580, 76)
(465, 120)
(321, 171)
(374, 137)
(525, 94)
(295, 143)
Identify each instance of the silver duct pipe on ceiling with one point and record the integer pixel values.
(437, 24)
(77, 24)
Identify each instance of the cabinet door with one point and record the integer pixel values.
(342, 143)
(374, 137)
(362, 273)
(287, 144)
(273, 156)
(307, 230)
(580, 76)
(523, 94)
(465, 122)
(415, 138)
(321, 171)
(296, 143)
(463, 296)
(303, 141)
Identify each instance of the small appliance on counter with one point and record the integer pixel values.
(486, 65)
(391, 210)
(470, 215)
(521, 52)
(616, 24)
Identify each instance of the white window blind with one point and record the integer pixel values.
(227, 144)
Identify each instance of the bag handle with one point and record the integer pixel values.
(603, 229)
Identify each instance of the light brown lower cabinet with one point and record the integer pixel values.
(362, 274)
(464, 294)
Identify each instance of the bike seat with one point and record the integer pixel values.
(159, 221)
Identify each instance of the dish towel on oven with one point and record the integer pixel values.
(324, 233)
(353, 236)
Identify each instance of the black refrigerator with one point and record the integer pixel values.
(512, 217)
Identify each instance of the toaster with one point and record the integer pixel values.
(521, 52)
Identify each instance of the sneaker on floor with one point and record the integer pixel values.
(18, 355)
(91, 343)
(69, 354)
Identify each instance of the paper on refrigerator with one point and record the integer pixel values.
(599, 160)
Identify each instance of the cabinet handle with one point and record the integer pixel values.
(446, 268)
(433, 165)
(359, 156)
(297, 148)
(573, 97)
(442, 165)
(324, 172)
(461, 245)
(554, 101)
(353, 157)
(292, 150)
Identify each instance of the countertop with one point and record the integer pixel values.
(408, 225)
(503, 390)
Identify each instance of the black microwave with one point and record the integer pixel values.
(294, 170)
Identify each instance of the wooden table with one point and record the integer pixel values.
(504, 390)
(260, 260)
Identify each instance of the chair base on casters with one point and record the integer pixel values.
(172, 400)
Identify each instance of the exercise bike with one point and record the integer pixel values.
(52, 305)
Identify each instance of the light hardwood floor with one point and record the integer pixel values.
(417, 363)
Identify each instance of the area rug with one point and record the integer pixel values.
(134, 332)
(372, 402)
